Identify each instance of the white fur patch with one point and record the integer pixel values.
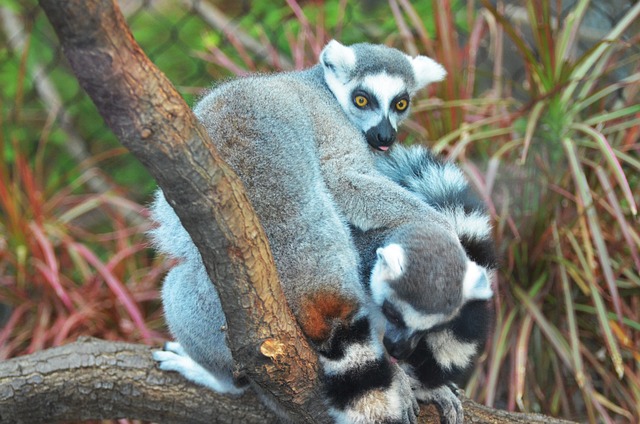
(438, 181)
(449, 351)
(384, 88)
(475, 225)
(338, 60)
(355, 356)
(392, 260)
(174, 358)
(380, 289)
(340, 90)
(416, 320)
(426, 71)
(374, 406)
(476, 283)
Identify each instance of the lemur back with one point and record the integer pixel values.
(437, 321)
(301, 143)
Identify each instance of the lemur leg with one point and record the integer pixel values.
(446, 400)
(174, 358)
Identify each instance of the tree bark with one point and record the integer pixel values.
(96, 379)
(93, 379)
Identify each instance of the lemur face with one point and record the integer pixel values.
(401, 295)
(376, 98)
(377, 104)
(405, 326)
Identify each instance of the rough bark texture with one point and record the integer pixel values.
(96, 379)
(93, 379)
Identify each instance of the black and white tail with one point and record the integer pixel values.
(442, 185)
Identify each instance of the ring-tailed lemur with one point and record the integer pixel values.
(438, 318)
(298, 141)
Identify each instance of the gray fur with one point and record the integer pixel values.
(435, 265)
(440, 184)
(431, 257)
(384, 77)
(308, 171)
(369, 57)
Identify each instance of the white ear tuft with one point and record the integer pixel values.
(338, 60)
(391, 259)
(476, 284)
(426, 71)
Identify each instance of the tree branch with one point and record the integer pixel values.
(150, 118)
(96, 379)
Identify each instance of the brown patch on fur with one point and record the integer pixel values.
(320, 309)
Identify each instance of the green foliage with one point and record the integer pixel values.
(72, 261)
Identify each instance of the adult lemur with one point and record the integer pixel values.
(437, 319)
(298, 141)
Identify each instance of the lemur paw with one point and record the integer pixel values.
(447, 402)
(174, 358)
(406, 393)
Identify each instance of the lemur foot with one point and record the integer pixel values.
(446, 400)
(174, 358)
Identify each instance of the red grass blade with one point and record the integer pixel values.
(623, 224)
(117, 287)
(52, 271)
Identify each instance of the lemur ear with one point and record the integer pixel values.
(476, 284)
(391, 259)
(426, 71)
(338, 60)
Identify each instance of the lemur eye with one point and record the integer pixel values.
(360, 101)
(401, 104)
(394, 320)
(392, 314)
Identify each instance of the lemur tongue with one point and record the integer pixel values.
(391, 358)
(383, 148)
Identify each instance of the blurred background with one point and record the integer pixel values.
(541, 109)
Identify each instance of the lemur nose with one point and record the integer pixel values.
(386, 137)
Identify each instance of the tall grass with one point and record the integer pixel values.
(72, 262)
(557, 165)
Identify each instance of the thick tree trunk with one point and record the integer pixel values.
(94, 379)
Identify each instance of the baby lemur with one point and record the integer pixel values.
(437, 317)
